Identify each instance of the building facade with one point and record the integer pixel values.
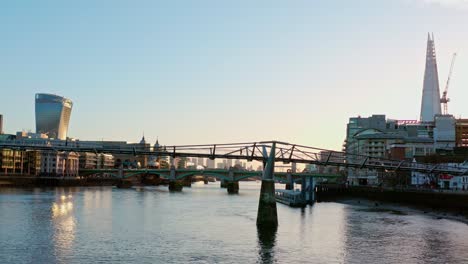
(376, 136)
(59, 164)
(105, 161)
(53, 115)
(88, 160)
(210, 163)
(444, 132)
(33, 162)
(12, 161)
(461, 133)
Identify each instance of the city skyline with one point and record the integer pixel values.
(220, 73)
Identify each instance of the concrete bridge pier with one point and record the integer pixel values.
(223, 183)
(267, 213)
(233, 187)
(187, 181)
(290, 184)
(311, 190)
(231, 184)
(174, 184)
(124, 184)
(303, 187)
(120, 172)
(267, 216)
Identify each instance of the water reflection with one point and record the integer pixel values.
(61, 209)
(266, 243)
(434, 245)
(64, 225)
(205, 225)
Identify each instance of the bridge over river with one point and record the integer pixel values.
(267, 152)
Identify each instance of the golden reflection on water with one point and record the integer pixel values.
(64, 224)
(61, 209)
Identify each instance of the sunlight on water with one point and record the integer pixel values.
(64, 226)
(204, 224)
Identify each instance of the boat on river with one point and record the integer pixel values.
(293, 198)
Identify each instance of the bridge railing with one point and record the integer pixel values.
(257, 151)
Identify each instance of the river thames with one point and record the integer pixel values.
(204, 224)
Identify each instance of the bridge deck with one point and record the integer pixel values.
(256, 151)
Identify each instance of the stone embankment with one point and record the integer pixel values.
(426, 199)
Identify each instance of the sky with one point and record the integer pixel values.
(196, 72)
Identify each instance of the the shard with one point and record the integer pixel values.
(430, 105)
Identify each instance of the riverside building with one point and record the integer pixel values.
(376, 136)
(60, 164)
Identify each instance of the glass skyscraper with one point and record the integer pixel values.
(53, 115)
(430, 105)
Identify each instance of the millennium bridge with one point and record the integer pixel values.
(267, 152)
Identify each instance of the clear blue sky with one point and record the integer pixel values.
(226, 71)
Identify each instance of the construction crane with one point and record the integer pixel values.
(444, 100)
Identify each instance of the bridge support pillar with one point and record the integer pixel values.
(233, 187)
(120, 172)
(304, 187)
(123, 184)
(176, 186)
(290, 184)
(267, 215)
(187, 181)
(311, 190)
(223, 183)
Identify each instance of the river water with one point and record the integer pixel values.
(204, 224)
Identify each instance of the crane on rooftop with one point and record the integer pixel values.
(444, 100)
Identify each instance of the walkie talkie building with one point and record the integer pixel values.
(53, 115)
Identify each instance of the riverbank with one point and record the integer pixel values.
(54, 182)
(400, 209)
(442, 204)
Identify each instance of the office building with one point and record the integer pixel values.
(53, 115)
(430, 103)
(461, 133)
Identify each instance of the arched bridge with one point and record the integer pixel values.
(221, 174)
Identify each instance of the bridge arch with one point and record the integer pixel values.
(136, 173)
(201, 173)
